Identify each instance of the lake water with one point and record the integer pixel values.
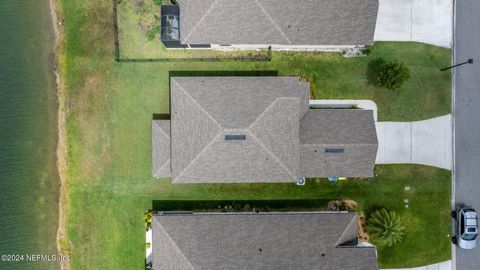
(28, 177)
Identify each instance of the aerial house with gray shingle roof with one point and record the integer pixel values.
(258, 129)
(281, 24)
(287, 240)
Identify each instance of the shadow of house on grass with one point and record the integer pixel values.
(161, 116)
(240, 205)
(222, 73)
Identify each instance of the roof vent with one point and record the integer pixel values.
(237, 137)
(334, 150)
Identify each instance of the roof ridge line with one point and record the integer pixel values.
(166, 136)
(268, 108)
(163, 165)
(338, 244)
(273, 22)
(175, 245)
(161, 129)
(260, 142)
(209, 116)
(201, 20)
(196, 103)
(271, 154)
(198, 155)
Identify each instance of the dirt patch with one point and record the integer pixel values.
(351, 205)
(362, 228)
(342, 205)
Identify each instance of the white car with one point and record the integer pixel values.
(466, 227)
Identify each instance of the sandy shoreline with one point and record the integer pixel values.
(61, 239)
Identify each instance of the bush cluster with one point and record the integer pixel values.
(385, 227)
(393, 74)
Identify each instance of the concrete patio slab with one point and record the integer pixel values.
(427, 142)
(428, 21)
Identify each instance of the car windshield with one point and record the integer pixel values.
(468, 236)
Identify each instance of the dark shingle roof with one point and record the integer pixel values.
(161, 148)
(315, 240)
(338, 126)
(350, 130)
(281, 138)
(264, 109)
(286, 22)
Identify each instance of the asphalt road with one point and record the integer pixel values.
(467, 118)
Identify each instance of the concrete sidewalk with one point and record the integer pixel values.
(428, 21)
(447, 265)
(427, 142)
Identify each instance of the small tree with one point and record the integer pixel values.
(385, 228)
(393, 74)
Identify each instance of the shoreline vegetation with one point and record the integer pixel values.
(61, 152)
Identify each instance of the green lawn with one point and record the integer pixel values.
(110, 108)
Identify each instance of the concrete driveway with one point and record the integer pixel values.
(427, 142)
(428, 21)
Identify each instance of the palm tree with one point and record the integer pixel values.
(385, 228)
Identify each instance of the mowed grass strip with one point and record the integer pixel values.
(110, 108)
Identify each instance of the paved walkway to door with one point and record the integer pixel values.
(427, 142)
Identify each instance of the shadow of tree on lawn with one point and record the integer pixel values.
(373, 70)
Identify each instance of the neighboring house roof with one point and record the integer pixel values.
(257, 129)
(161, 148)
(350, 131)
(285, 22)
(302, 240)
(266, 110)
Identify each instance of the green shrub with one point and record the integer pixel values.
(148, 219)
(237, 207)
(393, 74)
(385, 228)
(152, 33)
(158, 2)
(368, 50)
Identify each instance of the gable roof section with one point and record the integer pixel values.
(286, 22)
(350, 130)
(264, 109)
(258, 241)
(338, 126)
(161, 148)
